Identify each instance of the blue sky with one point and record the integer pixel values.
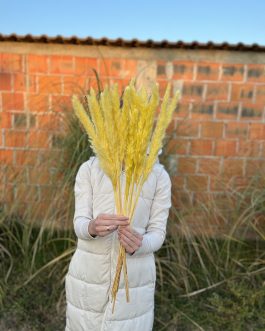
(188, 20)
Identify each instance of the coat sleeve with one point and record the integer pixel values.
(156, 229)
(83, 201)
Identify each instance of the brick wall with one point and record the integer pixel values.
(218, 128)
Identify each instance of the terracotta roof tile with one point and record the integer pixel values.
(74, 40)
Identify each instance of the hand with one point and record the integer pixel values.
(130, 239)
(104, 224)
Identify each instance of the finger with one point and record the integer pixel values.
(133, 245)
(129, 231)
(114, 217)
(136, 241)
(121, 223)
(112, 222)
(125, 229)
(106, 228)
(133, 238)
(126, 246)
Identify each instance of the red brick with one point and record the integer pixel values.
(183, 70)
(50, 84)
(14, 138)
(50, 157)
(37, 63)
(260, 94)
(27, 157)
(236, 130)
(5, 82)
(209, 166)
(255, 167)
(20, 120)
(197, 183)
(217, 91)
(257, 131)
(48, 122)
(186, 165)
(129, 68)
(39, 175)
(85, 66)
(249, 148)
(251, 112)
(242, 92)
(8, 194)
(227, 110)
(182, 109)
(232, 72)
(181, 199)
(110, 67)
(20, 83)
(225, 148)
(16, 175)
(206, 226)
(74, 84)
(10, 62)
(171, 127)
(32, 121)
(38, 102)
(3, 170)
(204, 110)
(201, 147)
(32, 84)
(256, 73)
(6, 156)
(212, 129)
(13, 101)
(61, 103)
(57, 140)
(5, 120)
(218, 183)
(177, 146)
(262, 152)
(25, 83)
(241, 182)
(233, 168)
(61, 64)
(187, 128)
(161, 70)
(192, 91)
(177, 182)
(39, 139)
(207, 71)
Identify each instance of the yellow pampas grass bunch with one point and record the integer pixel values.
(121, 130)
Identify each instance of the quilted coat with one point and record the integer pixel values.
(92, 267)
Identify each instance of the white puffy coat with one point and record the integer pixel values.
(92, 267)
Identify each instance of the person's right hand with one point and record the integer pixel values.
(104, 224)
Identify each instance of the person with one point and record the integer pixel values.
(99, 231)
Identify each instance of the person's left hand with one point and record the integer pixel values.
(130, 239)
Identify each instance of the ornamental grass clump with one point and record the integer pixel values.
(124, 136)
